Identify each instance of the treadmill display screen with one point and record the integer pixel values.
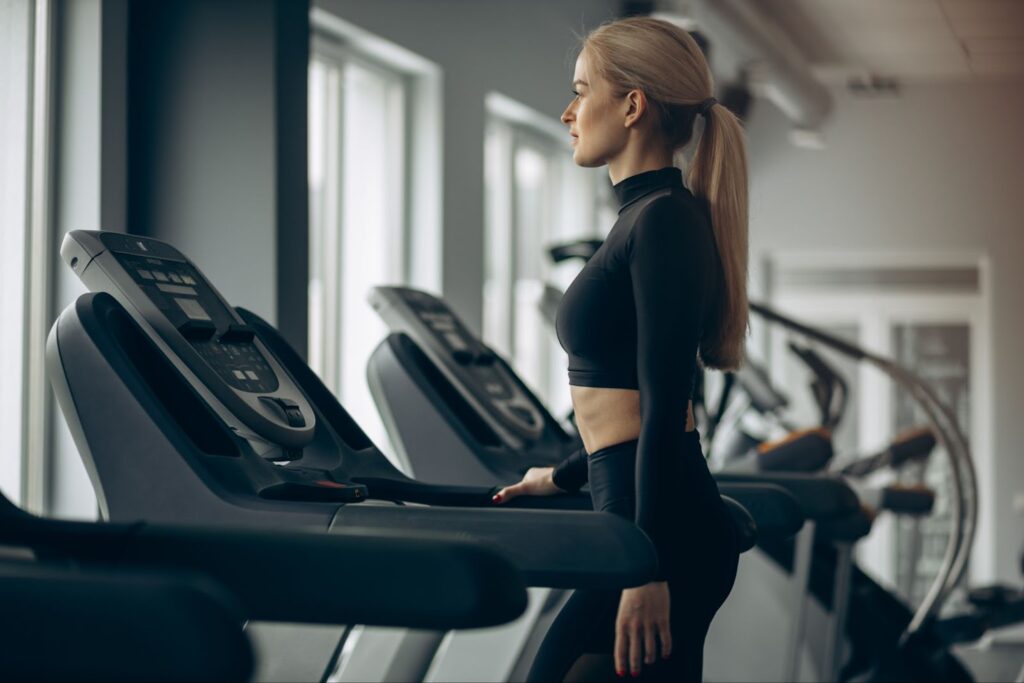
(193, 309)
(180, 293)
(455, 341)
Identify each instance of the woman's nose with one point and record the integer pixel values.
(567, 114)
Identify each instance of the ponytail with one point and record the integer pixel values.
(718, 173)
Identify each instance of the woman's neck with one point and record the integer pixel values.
(636, 159)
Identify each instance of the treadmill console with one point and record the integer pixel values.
(482, 376)
(166, 293)
(178, 291)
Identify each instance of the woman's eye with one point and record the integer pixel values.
(575, 93)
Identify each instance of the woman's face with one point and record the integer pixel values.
(596, 117)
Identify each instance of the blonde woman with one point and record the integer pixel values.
(665, 292)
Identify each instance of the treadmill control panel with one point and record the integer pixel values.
(478, 362)
(225, 359)
(476, 371)
(182, 295)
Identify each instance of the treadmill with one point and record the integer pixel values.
(436, 382)
(185, 410)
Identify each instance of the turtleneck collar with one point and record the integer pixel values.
(634, 187)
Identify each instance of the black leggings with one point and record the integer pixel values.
(700, 570)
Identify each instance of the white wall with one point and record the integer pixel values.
(523, 49)
(939, 168)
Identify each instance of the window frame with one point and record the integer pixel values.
(336, 54)
(39, 403)
(33, 391)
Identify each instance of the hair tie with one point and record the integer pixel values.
(704, 107)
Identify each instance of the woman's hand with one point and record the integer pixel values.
(536, 482)
(642, 622)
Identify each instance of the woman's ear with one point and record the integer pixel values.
(636, 107)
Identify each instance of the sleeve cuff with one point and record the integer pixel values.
(571, 474)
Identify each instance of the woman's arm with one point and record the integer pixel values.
(669, 262)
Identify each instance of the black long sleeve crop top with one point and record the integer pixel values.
(634, 316)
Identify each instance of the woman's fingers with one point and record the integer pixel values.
(666, 639)
(508, 493)
(636, 645)
(650, 644)
(536, 482)
(636, 653)
(621, 651)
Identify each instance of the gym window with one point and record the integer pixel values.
(24, 101)
(374, 169)
(535, 197)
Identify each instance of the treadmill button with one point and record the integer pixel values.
(287, 408)
(522, 413)
(176, 289)
(159, 276)
(145, 274)
(237, 333)
(239, 374)
(197, 330)
(294, 417)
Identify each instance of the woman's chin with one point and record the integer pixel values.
(583, 160)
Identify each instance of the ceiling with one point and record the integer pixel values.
(906, 40)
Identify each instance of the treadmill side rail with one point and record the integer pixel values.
(551, 549)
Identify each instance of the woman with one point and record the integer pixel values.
(667, 287)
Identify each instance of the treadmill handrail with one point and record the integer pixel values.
(744, 524)
(105, 624)
(564, 549)
(369, 576)
(820, 497)
(775, 510)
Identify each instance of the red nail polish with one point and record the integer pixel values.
(620, 674)
(636, 674)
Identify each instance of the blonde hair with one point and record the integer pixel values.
(663, 61)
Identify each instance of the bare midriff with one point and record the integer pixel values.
(606, 417)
